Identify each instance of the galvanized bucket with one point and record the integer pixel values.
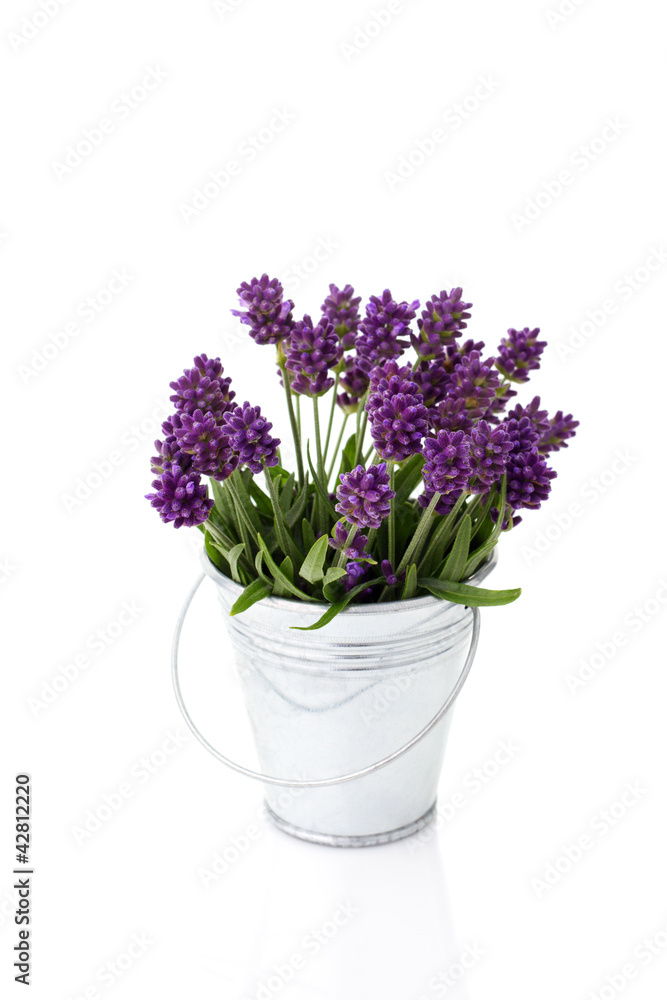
(350, 721)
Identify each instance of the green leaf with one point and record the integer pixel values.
(312, 569)
(455, 565)
(294, 513)
(278, 574)
(408, 476)
(487, 548)
(334, 573)
(259, 566)
(410, 588)
(285, 540)
(287, 569)
(287, 493)
(254, 592)
(262, 501)
(308, 534)
(335, 609)
(473, 597)
(215, 555)
(249, 508)
(233, 557)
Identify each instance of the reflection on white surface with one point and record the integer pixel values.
(352, 923)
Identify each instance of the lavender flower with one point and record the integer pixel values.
(560, 429)
(388, 573)
(200, 436)
(203, 388)
(475, 381)
(180, 498)
(521, 434)
(503, 395)
(433, 380)
(488, 455)
(311, 353)
(341, 308)
(355, 575)
(267, 314)
(450, 415)
(353, 381)
(509, 521)
(441, 322)
(389, 377)
(169, 454)
(383, 326)
(356, 548)
(528, 480)
(248, 432)
(364, 495)
(520, 353)
(447, 468)
(398, 421)
(538, 418)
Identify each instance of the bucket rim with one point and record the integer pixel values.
(294, 607)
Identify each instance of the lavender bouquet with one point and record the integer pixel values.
(412, 511)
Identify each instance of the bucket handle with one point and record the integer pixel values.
(323, 782)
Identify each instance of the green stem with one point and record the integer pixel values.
(331, 416)
(391, 522)
(318, 438)
(295, 427)
(361, 428)
(337, 448)
(340, 555)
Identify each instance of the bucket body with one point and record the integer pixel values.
(338, 699)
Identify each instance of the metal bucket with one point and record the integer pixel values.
(350, 721)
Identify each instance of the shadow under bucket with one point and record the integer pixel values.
(350, 721)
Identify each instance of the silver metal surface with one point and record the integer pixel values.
(328, 708)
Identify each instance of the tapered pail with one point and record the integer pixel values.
(350, 721)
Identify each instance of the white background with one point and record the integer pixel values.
(358, 104)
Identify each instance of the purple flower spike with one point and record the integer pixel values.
(180, 498)
(433, 380)
(528, 480)
(538, 418)
(398, 422)
(200, 436)
(267, 315)
(356, 549)
(448, 467)
(384, 327)
(519, 354)
(248, 433)
(364, 495)
(488, 455)
(521, 434)
(311, 353)
(388, 572)
(503, 396)
(390, 377)
(203, 388)
(341, 308)
(450, 415)
(560, 429)
(169, 454)
(475, 381)
(441, 322)
(353, 382)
